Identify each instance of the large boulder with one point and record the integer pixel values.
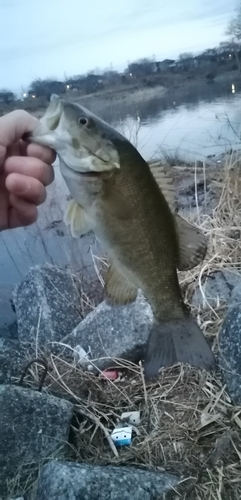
(219, 287)
(13, 359)
(69, 481)
(33, 427)
(8, 319)
(47, 305)
(230, 352)
(113, 332)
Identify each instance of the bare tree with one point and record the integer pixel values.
(141, 67)
(186, 55)
(44, 88)
(234, 32)
(6, 96)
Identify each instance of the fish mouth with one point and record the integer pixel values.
(91, 174)
(88, 174)
(54, 109)
(53, 113)
(47, 124)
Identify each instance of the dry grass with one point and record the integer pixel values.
(188, 425)
(223, 230)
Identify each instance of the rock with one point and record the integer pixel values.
(8, 318)
(234, 234)
(19, 498)
(187, 191)
(115, 332)
(13, 358)
(33, 427)
(69, 481)
(47, 305)
(230, 352)
(235, 297)
(217, 288)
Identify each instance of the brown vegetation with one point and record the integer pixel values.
(189, 424)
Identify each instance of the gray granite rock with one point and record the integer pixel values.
(19, 498)
(230, 352)
(69, 481)
(189, 193)
(8, 319)
(115, 332)
(13, 358)
(235, 297)
(218, 287)
(33, 427)
(47, 305)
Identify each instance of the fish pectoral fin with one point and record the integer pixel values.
(78, 220)
(177, 341)
(119, 290)
(192, 244)
(165, 182)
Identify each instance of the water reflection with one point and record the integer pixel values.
(189, 95)
(192, 130)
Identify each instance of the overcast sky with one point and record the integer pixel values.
(54, 38)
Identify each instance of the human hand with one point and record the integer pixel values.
(25, 171)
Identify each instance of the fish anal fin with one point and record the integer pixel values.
(78, 220)
(192, 244)
(119, 290)
(177, 341)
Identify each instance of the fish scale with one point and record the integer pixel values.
(147, 240)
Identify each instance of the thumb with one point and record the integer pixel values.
(14, 125)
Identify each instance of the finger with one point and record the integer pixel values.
(4, 205)
(32, 167)
(44, 153)
(14, 125)
(25, 187)
(21, 212)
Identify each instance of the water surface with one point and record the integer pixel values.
(191, 126)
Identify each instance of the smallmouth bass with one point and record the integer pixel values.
(129, 206)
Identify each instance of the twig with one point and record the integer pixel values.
(143, 381)
(99, 424)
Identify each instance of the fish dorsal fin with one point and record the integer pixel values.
(165, 182)
(192, 244)
(78, 220)
(119, 290)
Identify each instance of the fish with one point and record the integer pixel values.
(130, 206)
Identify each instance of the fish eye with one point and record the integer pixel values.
(82, 120)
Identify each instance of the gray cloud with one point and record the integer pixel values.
(53, 37)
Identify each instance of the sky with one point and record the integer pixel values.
(62, 38)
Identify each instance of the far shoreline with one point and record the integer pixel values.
(169, 88)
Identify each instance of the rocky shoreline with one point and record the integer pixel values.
(39, 457)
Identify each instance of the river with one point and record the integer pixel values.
(199, 126)
(205, 124)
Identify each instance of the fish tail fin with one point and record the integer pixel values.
(175, 341)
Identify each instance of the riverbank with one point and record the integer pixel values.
(169, 87)
(191, 413)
